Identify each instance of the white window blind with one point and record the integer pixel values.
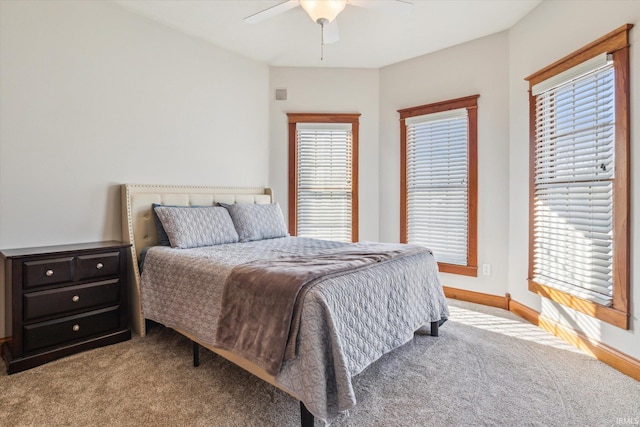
(437, 184)
(324, 184)
(573, 184)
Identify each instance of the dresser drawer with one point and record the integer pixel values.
(97, 265)
(71, 328)
(47, 272)
(71, 298)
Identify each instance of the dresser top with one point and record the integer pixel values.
(61, 249)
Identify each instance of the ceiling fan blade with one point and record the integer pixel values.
(272, 11)
(331, 32)
(391, 5)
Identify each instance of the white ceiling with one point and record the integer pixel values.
(369, 37)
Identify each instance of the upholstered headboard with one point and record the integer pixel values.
(138, 226)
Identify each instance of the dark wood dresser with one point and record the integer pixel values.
(60, 300)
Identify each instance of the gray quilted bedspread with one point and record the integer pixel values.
(348, 321)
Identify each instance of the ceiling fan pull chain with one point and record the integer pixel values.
(321, 41)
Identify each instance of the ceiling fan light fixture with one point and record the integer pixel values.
(323, 11)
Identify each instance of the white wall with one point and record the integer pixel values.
(477, 67)
(538, 40)
(328, 90)
(93, 96)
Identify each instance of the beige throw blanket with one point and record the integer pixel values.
(262, 300)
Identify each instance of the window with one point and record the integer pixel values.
(323, 176)
(579, 180)
(438, 196)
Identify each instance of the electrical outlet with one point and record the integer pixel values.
(486, 269)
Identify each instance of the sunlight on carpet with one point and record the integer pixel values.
(510, 327)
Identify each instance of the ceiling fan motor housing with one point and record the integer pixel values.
(323, 11)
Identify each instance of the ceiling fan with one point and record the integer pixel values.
(324, 12)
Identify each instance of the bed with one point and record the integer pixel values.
(345, 321)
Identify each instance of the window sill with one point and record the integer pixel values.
(465, 270)
(610, 315)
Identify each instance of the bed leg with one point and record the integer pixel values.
(434, 328)
(306, 417)
(196, 354)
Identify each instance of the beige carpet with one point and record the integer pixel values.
(488, 367)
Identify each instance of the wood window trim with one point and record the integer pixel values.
(354, 120)
(616, 43)
(471, 104)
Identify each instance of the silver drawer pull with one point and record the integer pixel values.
(49, 273)
(75, 298)
(76, 328)
(99, 265)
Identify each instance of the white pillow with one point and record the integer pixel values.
(191, 227)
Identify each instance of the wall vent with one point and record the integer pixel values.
(281, 94)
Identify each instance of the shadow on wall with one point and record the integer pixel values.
(112, 227)
(589, 326)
